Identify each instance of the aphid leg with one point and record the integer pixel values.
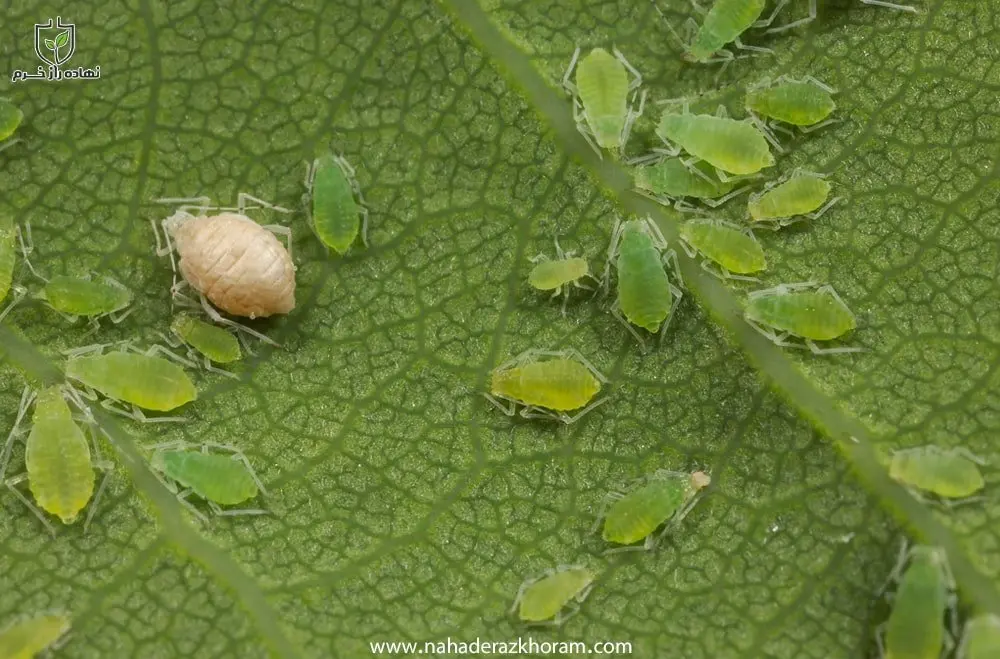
(770, 19)
(616, 236)
(222, 512)
(829, 205)
(670, 259)
(638, 76)
(626, 549)
(217, 317)
(207, 364)
(567, 419)
(18, 294)
(777, 339)
(566, 82)
(243, 197)
(816, 81)
(830, 351)
(86, 350)
(155, 350)
(239, 456)
(766, 132)
(9, 143)
(609, 498)
(631, 116)
(205, 202)
(890, 5)
(576, 354)
(644, 160)
(27, 245)
(182, 498)
(822, 124)
(685, 207)
(120, 315)
(697, 7)
(282, 230)
(879, 642)
(509, 410)
(776, 125)
(616, 312)
(11, 484)
(27, 395)
(584, 128)
(961, 450)
(524, 585)
(532, 412)
(654, 232)
(754, 49)
(676, 294)
(107, 468)
(794, 24)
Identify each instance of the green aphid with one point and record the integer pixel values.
(729, 145)
(723, 24)
(948, 473)
(733, 250)
(916, 627)
(141, 379)
(10, 118)
(559, 274)
(673, 179)
(981, 639)
(547, 388)
(791, 199)
(666, 497)
(27, 637)
(59, 466)
(213, 343)
(805, 103)
(221, 480)
(806, 310)
(337, 205)
(542, 600)
(73, 297)
(646, 296)
(601, 107)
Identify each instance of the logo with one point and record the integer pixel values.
(55, 44)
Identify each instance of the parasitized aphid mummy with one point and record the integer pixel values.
(10, 118)
(601, 107)
(142, 379)
(28, 636)
(541, 600)
(230, 260)
(331, 188)
(729, 145)
(791, 199)
(730, 252)
(646, 296)
(559, 274)
(221, 480)
(58, 460)
(671, 179)
(666, 497)
(948, 473)
(981, 638)
(214, 344)
(811, 16)
(805, 103)
(547, 388)
(925, 592)
(807, 310)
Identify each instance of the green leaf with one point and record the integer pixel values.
(405, 507)
(50, 44)
(62, 39)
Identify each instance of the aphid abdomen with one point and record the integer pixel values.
(237, 264)
(733, 146)
(149, 382)
(545, 598)
(25, 638)
(8, 253)
(550, 275)
(57, 458)
(732, 249)
(808, 314)
(915, 629)
(796, 196)
(214, 342)
(725, 21)
(603, 85)
(796, 103)
(637, 514)
(213, 477)
(10, 118)
(946, 474)
(555, 384)
(643, 286)
(82, 297)
(335, 213)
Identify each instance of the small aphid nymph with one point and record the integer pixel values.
(214, 344)
(601, 107)
(947, 473)
(730, 252)
(221, 480)
(546, 388)
(29, 636)
(981, 638)
(10, 118)
(542, 600)
(806, 310)
(805, 103)
(666, 497)
(558, 275)
(722, 25)
(337, 205)
(791, 199)
(916, 627)
(73, 297)
(731, 146)
(672, 179)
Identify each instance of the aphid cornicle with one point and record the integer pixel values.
(916, 626)
(58, 461)
(10, 118)
(559, 274)
(542, 600)
(731, 146)
(331, 188)
(671, 179)
(646, 296)
(601, 107)
(806, 310)
(547, 388)
(948, 473)
(213, 343)
(142, 379)
(981, 638)
(218, 479)
(666, 497)
(734, 250)
(790, 199)
(26, 637)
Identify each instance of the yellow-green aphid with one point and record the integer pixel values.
(558, 275)
(672, 179)
(731, 146)
(981, 639)
(601, 107)
(791, 199)
(77, 296)
(60, 471)
(213, 343)
(646, 296)
(916, 627)
(10, 118)
(948, 473)
(218, 479)
(547, 388)
(335, 213)
(806, 310)
(734, 250)
(141, 379)
(804, 103)
(543, 599)
(666, 496)
(27, 637)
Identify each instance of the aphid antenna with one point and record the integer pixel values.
(566, 82)
(891, 5)
(683, 45)
(157, 349)
(27, 245)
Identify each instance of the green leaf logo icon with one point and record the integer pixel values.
(62, 39)
(50, 44)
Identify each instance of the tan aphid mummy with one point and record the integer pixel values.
(241, 267)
